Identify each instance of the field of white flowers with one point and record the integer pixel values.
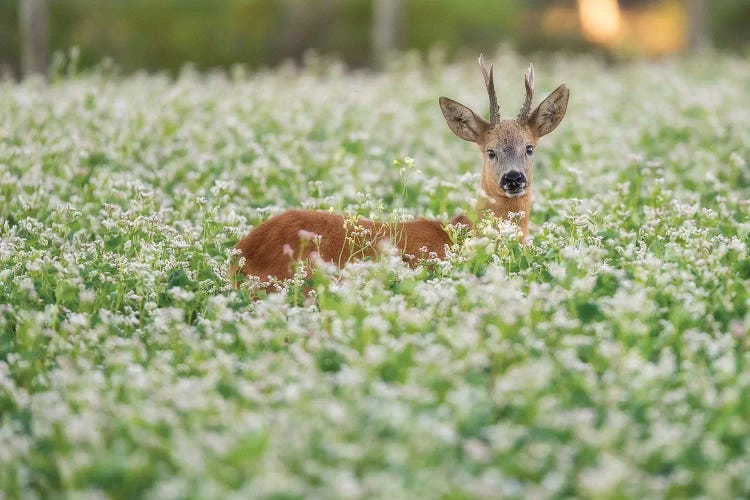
(608, 358)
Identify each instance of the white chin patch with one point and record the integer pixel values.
(515, 194)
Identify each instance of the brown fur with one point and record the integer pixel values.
(271, 250)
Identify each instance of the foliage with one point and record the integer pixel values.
(606, 358)
(165, 35)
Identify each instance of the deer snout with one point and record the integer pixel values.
(513, 182)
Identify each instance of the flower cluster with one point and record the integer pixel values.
(606, 357)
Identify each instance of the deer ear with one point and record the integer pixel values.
(463, 121)
(548, 115)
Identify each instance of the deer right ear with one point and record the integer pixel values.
(462, 121)
(548, 115)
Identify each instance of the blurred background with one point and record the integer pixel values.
(167, 34)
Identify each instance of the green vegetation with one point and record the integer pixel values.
(607, 358)
(166, 34)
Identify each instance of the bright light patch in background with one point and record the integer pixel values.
(656, 28)
(600, 20)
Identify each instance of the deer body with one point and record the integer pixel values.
(272, 248)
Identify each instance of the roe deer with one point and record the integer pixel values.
(507, 147)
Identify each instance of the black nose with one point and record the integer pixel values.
(513, 181)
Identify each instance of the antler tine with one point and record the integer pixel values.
(523, 115)
(489, 82)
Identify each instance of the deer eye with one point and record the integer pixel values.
(529, 150)
(491, 155)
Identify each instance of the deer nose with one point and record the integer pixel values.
(513, 181)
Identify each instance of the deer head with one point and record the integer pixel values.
(507, 146)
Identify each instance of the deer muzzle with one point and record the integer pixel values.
(513, 183)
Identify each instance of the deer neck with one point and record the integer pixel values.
(502, 206)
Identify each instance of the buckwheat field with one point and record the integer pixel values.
(609, 357)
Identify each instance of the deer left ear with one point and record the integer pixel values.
(463, 121)
(548, 115)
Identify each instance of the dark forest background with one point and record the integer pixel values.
(166, 34)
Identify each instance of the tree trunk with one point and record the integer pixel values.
(385, 29)
(34, 26)
(697, 25)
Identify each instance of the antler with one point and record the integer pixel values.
(489, 82)
(523, 115)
